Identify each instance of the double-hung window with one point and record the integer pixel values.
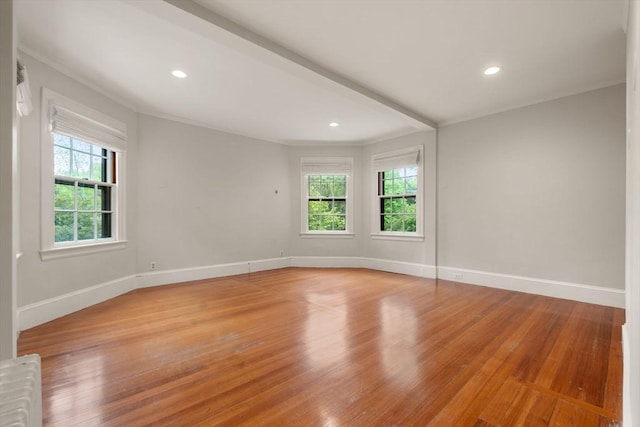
(82, 180)
(326, 196)
(398, 197)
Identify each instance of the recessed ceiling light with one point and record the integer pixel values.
(491, 71)
(334, 124)
(179, 74)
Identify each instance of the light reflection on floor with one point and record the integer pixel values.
(326, 332)
(398, 341)
(89, 375)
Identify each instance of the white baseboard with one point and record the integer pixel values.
(43, 311)
(412, 269)
(165, 277)
(551, 288)
(325, 262)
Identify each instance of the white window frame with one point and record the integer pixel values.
(406, 157)
(326, 166)
(100, 130)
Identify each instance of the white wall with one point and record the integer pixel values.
(423, 252)
(40, 280)
(209, 197)
(631, 332)
(537, 191)
(8, 128)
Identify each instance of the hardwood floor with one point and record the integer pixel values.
(331, 347)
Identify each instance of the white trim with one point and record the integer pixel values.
(166, 277)
(76, 250)
(401, 267)
(552, 288)
(327, 235)
(43, 311)
(396, 236)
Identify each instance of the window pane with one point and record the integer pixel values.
(64, 195)
(340, 207)
(387, 186)
(314, 222)
(61, 161)
(410, 223)
(80, 165)
(412, 185)
(398, 186)
(386, 206)
(64, 226)
(333, 223)
(104, 225)
(396, 205)
(397, 223)
(340, 186)
(411, 171)
(86, 225)
(103, 201)
(81, 146)
(61, 140)
(314, 186)
(410, 205)
(386, 223)
(326, 186)
(98, 169)
(86, 197)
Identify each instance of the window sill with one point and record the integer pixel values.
(398, 236)
(71, 251)
(327, 235)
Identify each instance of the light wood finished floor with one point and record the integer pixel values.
(331, 347)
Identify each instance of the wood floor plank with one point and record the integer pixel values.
(331, 347)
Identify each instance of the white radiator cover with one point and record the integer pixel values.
(21, 392)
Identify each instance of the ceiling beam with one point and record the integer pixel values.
(238, 30)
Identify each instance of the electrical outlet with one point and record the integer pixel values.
(458, 275)
(153, 265)
(281, 253)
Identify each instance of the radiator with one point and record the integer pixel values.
(21, 392)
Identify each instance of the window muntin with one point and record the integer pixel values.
(83, 190)
(327, 202)
(397, 190)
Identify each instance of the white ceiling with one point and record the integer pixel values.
(378, 67)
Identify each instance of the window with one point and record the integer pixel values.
(82, 180)
(398, 194)
(326, 201)
(397, 190)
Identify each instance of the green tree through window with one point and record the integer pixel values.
(84, 177)
(327, 202)
(397, 190)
